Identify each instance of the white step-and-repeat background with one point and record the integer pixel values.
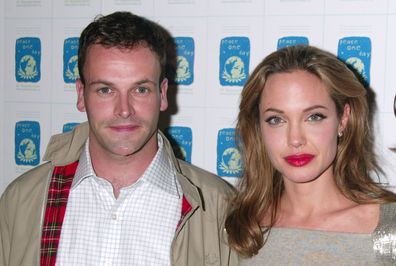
(38, 67)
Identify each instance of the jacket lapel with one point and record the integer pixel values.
(58, 194)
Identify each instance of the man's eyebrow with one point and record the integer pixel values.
(143, 81)
(109, 83)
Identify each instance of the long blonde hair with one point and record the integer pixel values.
(261, 185)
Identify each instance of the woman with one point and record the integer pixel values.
(306, 196)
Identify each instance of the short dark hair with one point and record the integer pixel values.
(122, 30)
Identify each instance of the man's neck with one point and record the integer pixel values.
(121, 171)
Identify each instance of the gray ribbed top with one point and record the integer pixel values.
(291, 246)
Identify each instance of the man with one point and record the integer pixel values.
(112, 191)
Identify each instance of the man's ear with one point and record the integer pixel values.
(80, 95)
(163, 95)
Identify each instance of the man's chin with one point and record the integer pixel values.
(125, 151)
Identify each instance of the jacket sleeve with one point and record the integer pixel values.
(4, 231)
(228, 255)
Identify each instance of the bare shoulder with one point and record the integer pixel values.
(362, 218)
(365, 210)
(374, 215)
(353, 218)
(349, 217)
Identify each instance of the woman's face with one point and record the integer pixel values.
(300, 125)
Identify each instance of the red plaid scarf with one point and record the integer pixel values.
(58, 194)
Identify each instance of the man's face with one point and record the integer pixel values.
(123, 98)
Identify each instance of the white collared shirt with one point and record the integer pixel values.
(137, 228)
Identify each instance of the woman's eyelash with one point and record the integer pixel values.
(273, 120)
(317, 116)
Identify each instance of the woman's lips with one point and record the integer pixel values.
(299, 160)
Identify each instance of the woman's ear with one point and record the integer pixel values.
(344, 118)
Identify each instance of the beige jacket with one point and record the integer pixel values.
(200, 240)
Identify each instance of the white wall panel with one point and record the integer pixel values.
(211, 36)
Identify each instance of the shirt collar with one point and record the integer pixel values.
(84, 168)
(160, 173)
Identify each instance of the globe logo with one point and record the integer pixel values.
(357, 64)
(183, 69)
(231, 162)
(27, 151)
(27, 67)
(72, 68)
(234, 70)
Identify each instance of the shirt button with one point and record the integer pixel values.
(114, 216)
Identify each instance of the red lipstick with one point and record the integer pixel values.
(299, 160)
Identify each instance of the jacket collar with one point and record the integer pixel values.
(66, 148)
(190, 190)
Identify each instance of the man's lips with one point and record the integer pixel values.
(123, 128)
(299, 160)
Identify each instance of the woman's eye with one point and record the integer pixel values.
(274, 120)
(316, 117)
